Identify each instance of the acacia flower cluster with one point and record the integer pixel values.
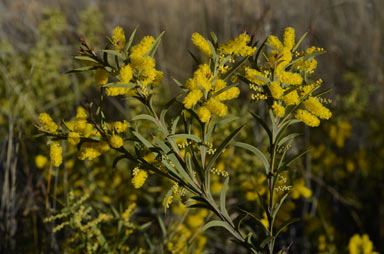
(284, 80)
(207, 89)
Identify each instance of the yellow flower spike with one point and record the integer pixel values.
(126, 73)
(291, 98)
(315, 107)
(276, 90)
(289, 38)
(55, 154)
(118, 38)
(278, 110)
(204, 114)
(202, 44)
(229, 94)
(307, 118)
(290, 78)
(252, 75)
(219, 84)
(116, 141)
(40, 161)
(142, 47)
(81, 113)
(360, 245)
(192, 98)
(139, 177)
(101, 77)
(216, 107)
(237, 46)
(119, 127)
(274, 42)
(142, 62)
(73, 138)
(299, 189)
(47, 122)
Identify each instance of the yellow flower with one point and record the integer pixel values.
(278, 110)
(290, 78)
(192, 98)
(201, 77)
(101, 77)
(81, 113)
(139, 177)
(142, 47)
(360, 245)
(116, 141)
(315, 107)
(274, 42)
(118, 38)
(92, 150)
(73, 138)
(126, 73)
(276, 90)
(291, 98)
(119, 127)
(300, 189)
(204, 114)
(289, 38)
(307, 118)
(237, 46)
(40, 161)
(55, 154)
(202, 44)
(216, 107)
(47, 122)
(229, 94)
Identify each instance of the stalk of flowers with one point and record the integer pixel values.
(284, 80)
(208, 89)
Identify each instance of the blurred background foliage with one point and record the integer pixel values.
(345, 169)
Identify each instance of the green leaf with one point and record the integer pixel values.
(264, 125)
(127, 85)
(167, 196)
(186, 136)
(283, 127)
(288, 139)
(178, 83)
(299, 41)
(116, 160)
(86, 58)
(266, 241)
(258, 221)
(145, 117)
(286, 224)
(197, 61)
(290, 161)
(86, 68)
(222, 201)
(162, 226)
(113, 52)
(217, 223)
(174, 125)
(213, 38)
(142, 139)
(257, 152)
(128, 45)
(176, 163)
(155, 45)
(214, 54)
(220, 123)
(277, 208)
